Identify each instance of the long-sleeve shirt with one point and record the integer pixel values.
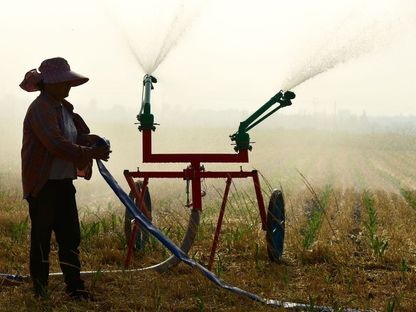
(61, 168)
(43, 140)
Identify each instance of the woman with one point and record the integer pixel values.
(57, 147)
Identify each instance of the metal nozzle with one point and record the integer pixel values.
(289, 95)
(286, 98)
(149, 78)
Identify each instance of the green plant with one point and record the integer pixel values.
(392, 304)
(409, 196)
(158, 300)
(377, 244)
(219, 268)
(115, 221)
(105, 225)
(89, 230)
(404, 267)
(200, 303)
(96, 277)
(19, 229)
(309, 233)
(121, 238)
(285, 278)
(316, 211)
(311, 307)
(257, 255)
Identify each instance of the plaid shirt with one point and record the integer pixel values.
(43, 140)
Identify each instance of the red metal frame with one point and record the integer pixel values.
(194, 173)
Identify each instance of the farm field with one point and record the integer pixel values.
(350, 227)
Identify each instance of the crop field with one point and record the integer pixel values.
(350, 241)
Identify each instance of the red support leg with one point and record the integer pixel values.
(132, 242)
(139, 199)
(219, 223)
(196, 186)
(260, 200)
(138, 195)
(142, 205)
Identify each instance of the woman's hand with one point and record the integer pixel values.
(101, 152)
(88, 139)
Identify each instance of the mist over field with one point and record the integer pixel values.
(339, 147)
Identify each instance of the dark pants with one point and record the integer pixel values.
(55, 208)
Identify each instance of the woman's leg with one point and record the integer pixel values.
(67, 232)
(41, 211)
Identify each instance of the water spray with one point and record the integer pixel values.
(176, 26)
(361, 31)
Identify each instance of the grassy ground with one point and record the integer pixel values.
(350, 236)
(362, 254)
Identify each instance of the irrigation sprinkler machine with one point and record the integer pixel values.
(272, 220)
(138, 204)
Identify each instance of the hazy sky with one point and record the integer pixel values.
(220, 54)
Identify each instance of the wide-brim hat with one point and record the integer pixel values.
(53, 70)
(57, 70)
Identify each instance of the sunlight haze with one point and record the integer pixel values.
(229, 54)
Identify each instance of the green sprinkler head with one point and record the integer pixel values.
(286, 98)
(289, 95)
(149, 78)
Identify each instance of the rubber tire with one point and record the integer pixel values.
(142, 236)
(275, 232)
(187, 242)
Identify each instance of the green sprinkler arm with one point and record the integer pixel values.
(241, 137)
(145, 117)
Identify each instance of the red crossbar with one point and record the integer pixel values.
(149, 157)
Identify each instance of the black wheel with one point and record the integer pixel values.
(275, 233)
(142, 236)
